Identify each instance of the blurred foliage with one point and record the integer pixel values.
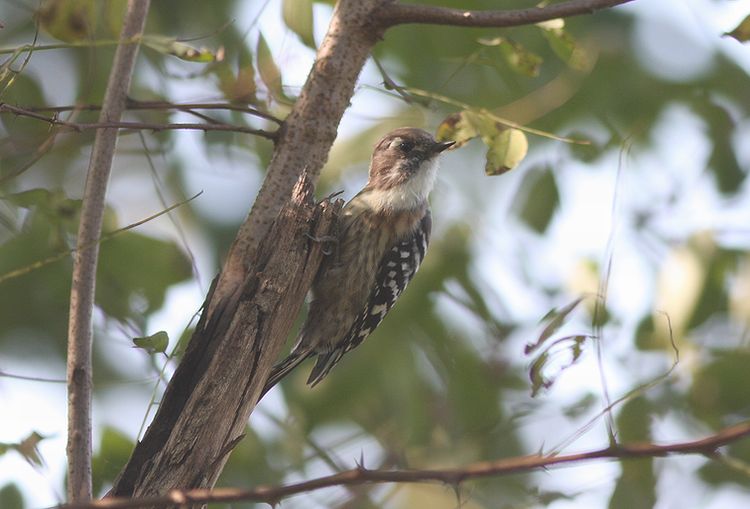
(11, 497)
(445, 380)
(28, 448)
(742, 31)
(113, 452)
(636, 486)
(540, 201)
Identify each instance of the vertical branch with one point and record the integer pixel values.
(79, 372)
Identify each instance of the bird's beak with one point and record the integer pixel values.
(440, 146)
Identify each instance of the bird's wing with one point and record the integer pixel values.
(396, 269)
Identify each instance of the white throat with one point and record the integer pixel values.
(409, 195)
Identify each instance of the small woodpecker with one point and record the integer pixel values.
(383, 235)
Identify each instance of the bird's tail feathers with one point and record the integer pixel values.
(283, 368)
(324, 364)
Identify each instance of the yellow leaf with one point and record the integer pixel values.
(269, 71)
(298, 16)
(506, 150)
(742, 31)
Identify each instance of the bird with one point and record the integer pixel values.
(383, 233)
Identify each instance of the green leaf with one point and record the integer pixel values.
(252, 458)
(564, 45)
(68, 20)
(555, 319)
(506, 151)
(539, 200)
(54, 206)
(506, 146)
(723, 162)
(81, 20)
(114, 452)
(536, 374)
(135, 272)
(239, 87)
(636, 486)
(31, 198)
(298, 16)
(571, 345)
(269, 71)
(459, 127)
(717, 473)
(742, 31)
(28, 448)
(26, 133)
(634, 421)
(713, 298)
(10, 497)
(719, 388)
(518, 58)
(645, 335)
(36, 301)
(586, 152)
(654, 333)
(171, 46)
(155, 343)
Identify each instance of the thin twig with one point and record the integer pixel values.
(134, 104)
(147, 126)
(3, 374)
(393, 13)
(80, 333)
(454, 476)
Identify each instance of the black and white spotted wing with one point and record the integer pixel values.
(396, 269)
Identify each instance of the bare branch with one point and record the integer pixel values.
(79, 126)
(3, 374)
(134, 104)
(522, 464)
(391, 14)
(79, 371)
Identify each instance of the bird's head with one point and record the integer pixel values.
(403, 155)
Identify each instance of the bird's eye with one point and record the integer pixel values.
(406, 146)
